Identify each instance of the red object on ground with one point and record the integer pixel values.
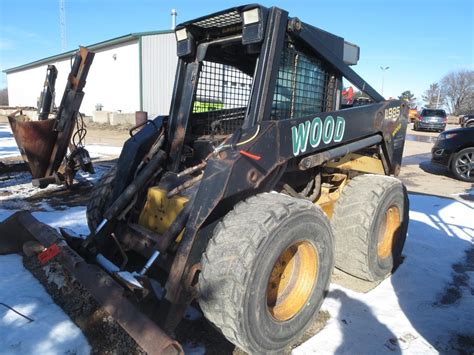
(48, 254)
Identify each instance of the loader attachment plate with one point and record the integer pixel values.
(22, 227)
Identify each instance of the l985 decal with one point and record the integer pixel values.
(392, 113)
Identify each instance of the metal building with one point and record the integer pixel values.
(129, 73)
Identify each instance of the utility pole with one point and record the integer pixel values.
(383, 72)
(439, 92)
(62, 24)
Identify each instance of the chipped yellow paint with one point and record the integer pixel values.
(160, 211)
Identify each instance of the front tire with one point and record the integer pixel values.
(463, 165)
(370, 223)
(100, 198)
(266, 271)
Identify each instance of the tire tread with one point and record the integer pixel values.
(352, 220)
(240, 235)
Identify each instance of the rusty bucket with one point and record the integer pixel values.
(35, 140)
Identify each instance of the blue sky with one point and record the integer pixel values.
(419, 40)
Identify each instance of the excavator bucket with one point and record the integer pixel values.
(43, 143)
(22, 227)
(35, 140)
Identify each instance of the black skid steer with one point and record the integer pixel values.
(248, 194)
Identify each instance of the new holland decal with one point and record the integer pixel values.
(315, 131)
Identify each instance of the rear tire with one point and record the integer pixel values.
(266, 271)
(370, 223)
(461, 165)
(100, 198)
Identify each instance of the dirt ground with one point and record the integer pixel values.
(420, 175)
(106, 134)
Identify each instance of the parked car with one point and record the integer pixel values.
(431, 120)
(362, 100)
(455, 150)
(467, 120)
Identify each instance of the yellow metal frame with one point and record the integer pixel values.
(330, 194)
(160, 211)
(358, 162)
(350, 162)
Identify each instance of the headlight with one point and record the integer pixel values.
(181, 34)
(251, 16)
(444, 136)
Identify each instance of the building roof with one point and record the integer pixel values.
(95, 46)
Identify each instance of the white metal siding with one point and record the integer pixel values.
(114, 83)
(159, 62)
(24, 86)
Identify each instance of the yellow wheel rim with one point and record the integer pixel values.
(388, 232)
(292, 280)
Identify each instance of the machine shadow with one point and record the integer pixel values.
(351, 343)
(417, 281)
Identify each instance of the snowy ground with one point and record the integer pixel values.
(50, 332)
(410, 311)
(8, 146)
(424, 306)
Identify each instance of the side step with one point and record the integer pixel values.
(22, 227)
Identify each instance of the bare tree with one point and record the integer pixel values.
(4, 97)
(432, 97)
(457, 89)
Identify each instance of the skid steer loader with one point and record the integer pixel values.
(248, 193)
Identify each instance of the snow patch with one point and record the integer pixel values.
(50, 332)
(98, 150)
(73, 218)
(8, 147)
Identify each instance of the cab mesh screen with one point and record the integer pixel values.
(221, 99)
(222, 20)
(301, 86)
